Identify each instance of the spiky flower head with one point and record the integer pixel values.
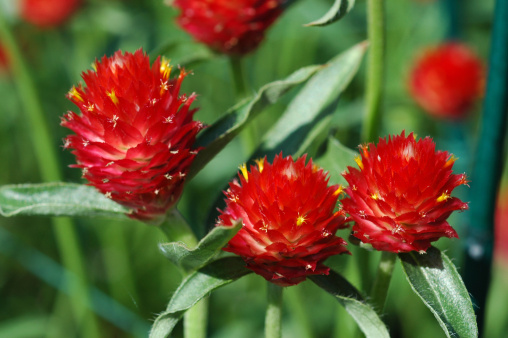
(48, 13)
(446, 80)
(400, 197)
(289, 219)
(230, 27)
(135, 132)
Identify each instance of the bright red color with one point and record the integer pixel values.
(135, 133)
(446, 80)
(4, 61)
(289, 222)
(230, 27)
(400, 199)
(48, 13)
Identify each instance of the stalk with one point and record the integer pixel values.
(382, 280)
(376, 31)
(49, 167)
(273, 311)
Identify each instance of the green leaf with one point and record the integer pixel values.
(336, 159)
(434, 278)
(349, 297)
(305, 110)
(207, 248)
(56, 199)
(339, 9)
(218, 135)
(195, 287)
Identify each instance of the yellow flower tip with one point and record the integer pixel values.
(339, 190)
(165, 68)
(112, 96)
(315, 168)
(358, 161)
(450, 161)
(444, 197)
(300, 220)
(245, 173)
(364, 149)
(374, 196)
(260, 162)
(94, 66)
(74, 94)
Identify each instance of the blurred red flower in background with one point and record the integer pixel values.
(399, 198)
(4, 60)
(230, 27)
(289, 219)
(47, 13)
(446, 80)
(135, 133)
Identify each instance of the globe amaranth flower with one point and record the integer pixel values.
(446, 80)
(399, 198)
(4, 60)
(230, 27)
(289, 219)
(135, 133)
(48, 13)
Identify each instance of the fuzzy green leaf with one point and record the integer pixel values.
(339, 9)
(195, 287)
(56, 199)
(218, 135)
(207, 248)
(434, 278)
(336, 159)
(349, 297)
(305, 110)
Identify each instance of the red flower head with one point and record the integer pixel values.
(230, 27)
(4, 60)
(48, 13)
(400, 199)
(446, 80)
(289, 222)
(135, 132)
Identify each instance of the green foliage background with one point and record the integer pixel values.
(122, 257)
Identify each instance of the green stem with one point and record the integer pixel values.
(382, 280)
(375, 69)
(177, 229)
(239, 79)
(273, 311)
(48, 163)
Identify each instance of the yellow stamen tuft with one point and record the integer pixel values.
(112, 96)
(374, 196)
(260, 162)
(165, 68)
(245, 173)
(339, 190)
(358, 161)
(74, 94)
(300, 220)
(450, 161)
(444, 196)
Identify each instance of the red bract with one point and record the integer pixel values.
(4, 61)
(501, 228)
(446, 80)
(48, 13)
(400, 199)
(289, 222)
(135, 133)
(230, 27)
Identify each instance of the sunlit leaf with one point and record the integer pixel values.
(207, 248)
(57, 199)
(195, 287)
(434, 278)
(306, 108)
(336, 159)
(339, 9)
(349, 297)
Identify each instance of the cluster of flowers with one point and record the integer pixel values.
(134, 143)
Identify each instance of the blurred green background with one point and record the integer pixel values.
(131, 280)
